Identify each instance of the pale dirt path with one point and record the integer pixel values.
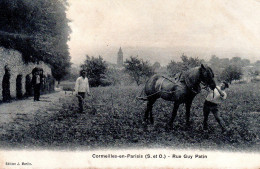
(27, 109)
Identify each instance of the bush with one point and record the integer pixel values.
(231, 72)
(138, 69)
(96, 69)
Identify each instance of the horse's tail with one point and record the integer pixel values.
(144, 95)
(141, 96)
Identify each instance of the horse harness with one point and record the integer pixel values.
(160, 88)
(185, 80)
(170, 92)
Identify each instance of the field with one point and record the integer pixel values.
(113, 119)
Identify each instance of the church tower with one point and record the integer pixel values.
(120, 57)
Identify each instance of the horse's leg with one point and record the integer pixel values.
(188, 106)
(174, 113)
(149, 109)
(146, 112)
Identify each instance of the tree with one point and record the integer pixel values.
(214, 60)
(189, 62)
(231, 72)
(257, 63)
(60, 68)
(138, 69)
(40, 32)
(218, 63)
(96, 69)
(73, 73)
(236, 60)
(245, 62)
(224, 62)
(239, 61)
(186, 63)
(174, 68)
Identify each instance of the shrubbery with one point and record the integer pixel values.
(231, 73)
(138, 69)
(96, 69)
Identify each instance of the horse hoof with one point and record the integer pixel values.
(205, 129)
(169, 127)
(187, 127)
(188, 124)
(152, 122)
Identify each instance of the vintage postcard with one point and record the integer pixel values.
(129, 84)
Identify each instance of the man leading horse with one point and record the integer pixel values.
(181, 90)
(211, 104)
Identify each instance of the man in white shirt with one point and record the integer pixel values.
(81, 88)
(214, 98)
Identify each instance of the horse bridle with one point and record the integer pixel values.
(206, 86)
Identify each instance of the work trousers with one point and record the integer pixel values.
(37, 88)
(81, 98)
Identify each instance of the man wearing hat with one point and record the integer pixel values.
(81, 88)
(212, 102)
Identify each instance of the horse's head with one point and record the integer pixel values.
(207, 76)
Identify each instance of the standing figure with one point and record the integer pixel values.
(211, 104)
(28, 85)
(6, 85)
(41, 80)
(36, 82)
(81, 88)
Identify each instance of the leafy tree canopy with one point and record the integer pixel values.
(138, 69)
(39, 30)
(185, 64)
(96, 69)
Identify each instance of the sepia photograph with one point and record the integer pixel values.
(129, 84)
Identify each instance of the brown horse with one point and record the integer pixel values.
(181, 89)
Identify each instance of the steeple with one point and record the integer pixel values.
(120, 50)
(120, 57)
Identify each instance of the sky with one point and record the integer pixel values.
(161, 30)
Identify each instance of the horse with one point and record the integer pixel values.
(181, 89)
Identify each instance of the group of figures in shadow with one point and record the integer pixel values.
(35, 83)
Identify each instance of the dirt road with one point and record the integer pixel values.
(25, 110)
